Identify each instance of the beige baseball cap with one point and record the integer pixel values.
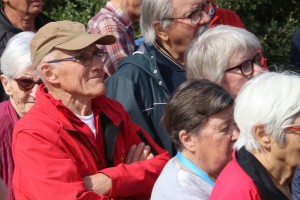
(66, 35)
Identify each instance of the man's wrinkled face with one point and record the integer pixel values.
(76, 78)
(28, 7)
(182, 31)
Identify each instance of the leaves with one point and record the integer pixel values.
(273, 22)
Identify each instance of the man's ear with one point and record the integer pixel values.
(187, 140)
(49, 73)
(161, 33)
(6, 85)
(261, 136)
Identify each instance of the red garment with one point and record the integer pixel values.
(240, 186)
(53, 150)
(8, 118)
(226, 17)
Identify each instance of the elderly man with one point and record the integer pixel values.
(75, 143)
(17, 16)
(144, 82)
(117, 18)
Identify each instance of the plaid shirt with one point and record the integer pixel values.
(112, 20)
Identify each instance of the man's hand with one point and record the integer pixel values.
(138, 153)
(99, 183)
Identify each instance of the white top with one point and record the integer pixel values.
(89, 120)
(177, 183)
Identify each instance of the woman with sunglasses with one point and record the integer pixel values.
(20, 81)
(267, 112)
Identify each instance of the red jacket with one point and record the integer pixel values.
(53, 150)
(226, 17)
(234, 184)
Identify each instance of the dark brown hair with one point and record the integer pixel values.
(190, 106)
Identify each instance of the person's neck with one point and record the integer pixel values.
(19, 112)
(201, 165)
(280, 173)
(176, 57)
(78, 105)
(23, 21)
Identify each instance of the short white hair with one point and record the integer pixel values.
(271, 99)
(16, 56)
(209, 55)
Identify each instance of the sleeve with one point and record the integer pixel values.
(140, 175)
(117, 51)
(44, 171)
(126, 89)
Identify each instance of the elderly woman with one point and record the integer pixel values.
(19, 80)
(267, 112)
(199, 119)
(226, 55)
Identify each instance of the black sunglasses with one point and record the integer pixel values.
(26, 84)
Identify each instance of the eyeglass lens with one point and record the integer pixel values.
(247, 66)
(87, 58)
(26, 84)
(197, 14)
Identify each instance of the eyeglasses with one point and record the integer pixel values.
(194, 16)
(292, 127)
(84, 57)
(246, 67)
(26, 84)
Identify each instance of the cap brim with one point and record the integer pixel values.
(85, 40)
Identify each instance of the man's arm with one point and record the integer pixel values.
(43, 170)
(101, 184)
(143, 170)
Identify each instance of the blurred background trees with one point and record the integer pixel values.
(273, 22)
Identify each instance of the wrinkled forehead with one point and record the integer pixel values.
(27, 73)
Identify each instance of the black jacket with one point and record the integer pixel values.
(140, 88)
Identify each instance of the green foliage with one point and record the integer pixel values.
(75, 10)
(273, 22)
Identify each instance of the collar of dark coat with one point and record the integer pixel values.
(267, 190)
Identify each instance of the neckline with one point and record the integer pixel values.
(169, 56)
(196, 170)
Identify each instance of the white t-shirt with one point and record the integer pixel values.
(89, 120)
(177, 183)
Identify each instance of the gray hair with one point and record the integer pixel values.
(209, 55)
(16, 56)
(271, 99)
(190, 106)
(154, 10)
